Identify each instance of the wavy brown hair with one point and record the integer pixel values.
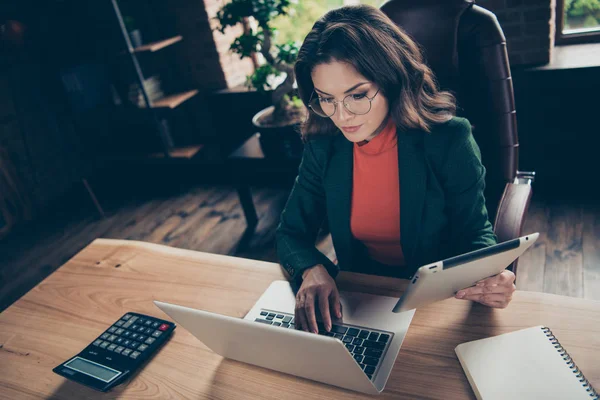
(366, 38)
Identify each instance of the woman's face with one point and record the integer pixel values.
(334, 81)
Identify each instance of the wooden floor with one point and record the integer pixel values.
(565, 260)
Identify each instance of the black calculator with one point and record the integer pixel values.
(118, 352)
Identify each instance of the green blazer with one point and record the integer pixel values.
(442, 211)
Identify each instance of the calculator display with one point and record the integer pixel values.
(93, 369)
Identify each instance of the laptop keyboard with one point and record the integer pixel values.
(367, 346)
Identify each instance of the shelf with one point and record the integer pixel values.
(180, 152)
(174, 100)
(155, 46)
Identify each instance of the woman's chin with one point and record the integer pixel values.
(354, 137)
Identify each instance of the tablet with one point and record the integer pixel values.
(441, 280)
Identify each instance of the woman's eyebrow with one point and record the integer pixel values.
(349, 90)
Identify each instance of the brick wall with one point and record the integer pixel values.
(204, 52)
(529, 27)
(234, 68)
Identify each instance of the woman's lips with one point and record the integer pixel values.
(351, 129)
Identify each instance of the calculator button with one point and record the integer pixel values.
(119, 349)
(150, 340)
(142, 329)
(135, 335)
(127, 334)
(119, 331)
(142, 338)
(112, 338)
(130, 322)
(105, 336)
(148, 322)
(119, 340)
(112, 329)
(163, 327)
(127, 342)
(97, 342)
(126, 352)
(134, 345)
(149, 331)
(135, 354)
(141, 321)
(142, 347)
(104, 344)
(134, 327)
(155, 324)
(157, 333)
(119, 323)
(126, 316)
(111, 347)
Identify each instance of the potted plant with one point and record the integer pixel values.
(278, 124)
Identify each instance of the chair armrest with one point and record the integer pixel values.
(511, 213)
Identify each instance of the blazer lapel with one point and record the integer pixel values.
(413, 174)
(339, 194)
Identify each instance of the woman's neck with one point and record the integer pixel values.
(379, 129)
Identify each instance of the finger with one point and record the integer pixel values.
(496, 304)
(496, 297)
(505, 277)
(336, 304)
(300, 315)
(324, 308)
(309, 309)
(490, 298)
(473, 297)
(484, 290)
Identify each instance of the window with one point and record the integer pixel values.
(305, 13)
(577, 21)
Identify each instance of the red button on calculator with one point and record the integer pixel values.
(163, 327)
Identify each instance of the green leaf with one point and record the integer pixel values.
(288, 52)
(245, 45)
(258, 79)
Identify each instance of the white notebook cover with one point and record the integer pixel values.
(524, 364)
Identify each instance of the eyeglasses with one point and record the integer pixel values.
(358, 104)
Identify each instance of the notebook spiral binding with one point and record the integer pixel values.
(569, 361)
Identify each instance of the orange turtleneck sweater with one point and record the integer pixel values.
(375, 209)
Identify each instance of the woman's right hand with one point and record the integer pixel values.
(318, 289)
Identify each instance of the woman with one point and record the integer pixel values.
(396, 173)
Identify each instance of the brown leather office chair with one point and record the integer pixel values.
(465, 47)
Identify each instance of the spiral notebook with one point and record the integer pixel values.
(525, 364)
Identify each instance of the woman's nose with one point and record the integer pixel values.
(344, 114)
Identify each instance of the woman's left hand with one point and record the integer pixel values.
(495, 291)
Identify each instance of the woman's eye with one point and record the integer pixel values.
(324, 100)
(359, 96)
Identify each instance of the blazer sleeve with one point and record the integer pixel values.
(463, 179)
(302, 218)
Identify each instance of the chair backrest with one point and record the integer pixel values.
(465, 47)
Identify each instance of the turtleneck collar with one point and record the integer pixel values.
(384, 141)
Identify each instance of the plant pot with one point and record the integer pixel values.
(283, 142)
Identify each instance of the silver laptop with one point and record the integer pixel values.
(358, 354)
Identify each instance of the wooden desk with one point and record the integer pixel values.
(65, 312)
